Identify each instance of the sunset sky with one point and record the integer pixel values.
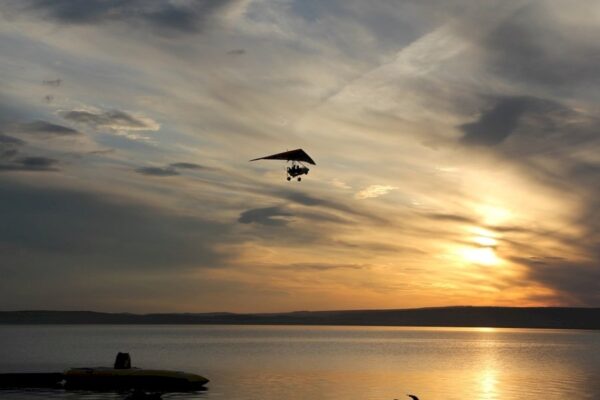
(457, 146)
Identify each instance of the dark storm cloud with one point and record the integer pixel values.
(10, 141)
(158, 16)
(269, 216)
(45, 128)
(533, 47)
(577, 283)
(10, 148)
(585, 172)
(574, 277)
(585, 177)
(74, 230)
(157, 171)
(41, 164)
(112, 119)
(497, 123)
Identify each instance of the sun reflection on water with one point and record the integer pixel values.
(487, 378)
(488, 383)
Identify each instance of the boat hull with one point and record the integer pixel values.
(31, 380)
(134, 378)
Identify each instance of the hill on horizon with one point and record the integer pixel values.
(455, 316)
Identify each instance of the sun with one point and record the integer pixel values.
(480, 255)
(481, 249)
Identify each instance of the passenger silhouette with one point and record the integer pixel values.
(123, 361)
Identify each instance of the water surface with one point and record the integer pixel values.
(300, 362)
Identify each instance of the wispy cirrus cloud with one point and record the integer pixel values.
(111, 120)
(374, 191)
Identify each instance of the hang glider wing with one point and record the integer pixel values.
(292, 155)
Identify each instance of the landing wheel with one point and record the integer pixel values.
(299, 179)
(289, 179)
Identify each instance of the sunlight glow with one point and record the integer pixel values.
(493, 215)
(488, 383)
(485, 241)
(487, 329)
(483, 237)
(480, 255)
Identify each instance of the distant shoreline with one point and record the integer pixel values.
(460, 316)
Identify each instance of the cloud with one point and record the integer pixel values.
(303, 198)
(308, 200)
(376, 81)
(542, 44)
(187, 165)
(112, 120)
(107, 251)
(42, 164)
(10, 148)
(337, 183)
(71, 230)
(497, 123)
(157, 171)
(161, 17)
(452, 218)
(575, 283)
(324, 266)
(44, 128)
(374, 191)
(102, 151)
(269, 216)
(6, 140)
(169, 170)
(52, 82)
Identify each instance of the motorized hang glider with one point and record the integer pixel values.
(297, 157)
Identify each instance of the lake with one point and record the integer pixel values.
(301, 362)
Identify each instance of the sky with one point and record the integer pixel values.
(457, 146)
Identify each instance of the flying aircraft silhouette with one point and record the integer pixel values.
(297, 157)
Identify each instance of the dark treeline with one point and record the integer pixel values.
(509, 317)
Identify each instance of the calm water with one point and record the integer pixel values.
(274, 363)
